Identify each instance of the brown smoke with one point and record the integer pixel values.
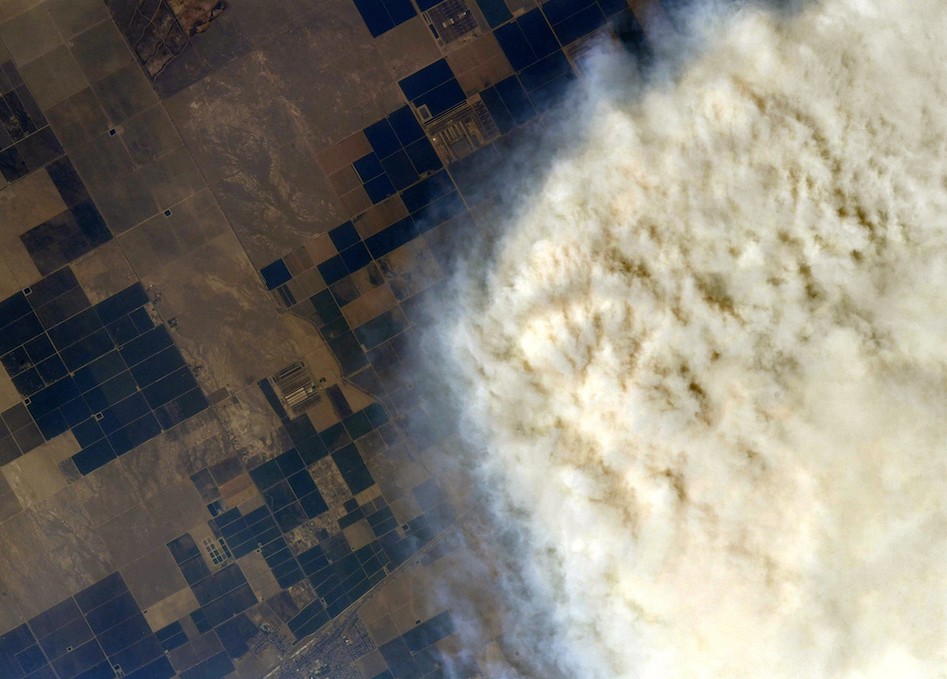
(710, 360)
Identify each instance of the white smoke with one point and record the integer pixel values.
(709, 360)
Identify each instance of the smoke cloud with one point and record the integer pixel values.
(706, 364)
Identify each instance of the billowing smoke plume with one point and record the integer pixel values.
(709, 360)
